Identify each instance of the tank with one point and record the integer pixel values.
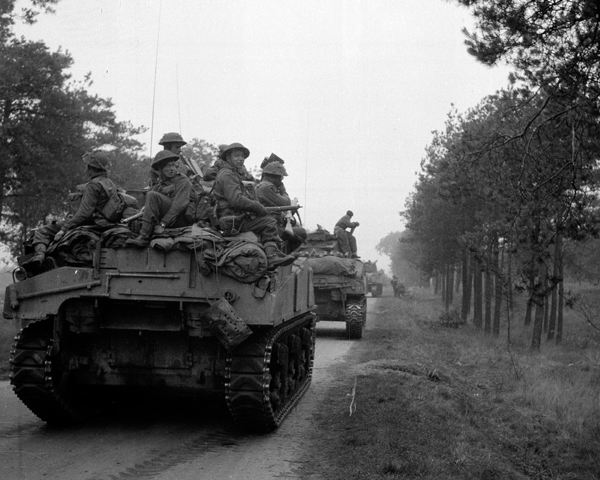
(340, 283)
(374, 279)
(195, 314)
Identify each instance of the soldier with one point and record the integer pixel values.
(211, 172)
(394, 283)
(96, 207)
(172, 142)
(271, 158)
(346, 238)
(271, 193)
(234, 206)
(168, 202)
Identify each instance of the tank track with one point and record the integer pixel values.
(356, 317)
(37, 378)
(268, 374)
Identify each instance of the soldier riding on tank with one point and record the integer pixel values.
(236, 211)
(167, 204)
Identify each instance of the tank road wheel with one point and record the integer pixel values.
(268, 373)
(39, 380)
(356, 317)
(279, 387)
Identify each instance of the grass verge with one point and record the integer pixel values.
(418, 400)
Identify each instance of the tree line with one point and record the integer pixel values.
(506, 185)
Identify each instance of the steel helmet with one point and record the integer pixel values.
(172, 137)
(163, 157)
(234, 146)
(97, 159)
(275, 168)
(271, 158)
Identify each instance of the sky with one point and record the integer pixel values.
(347, 92)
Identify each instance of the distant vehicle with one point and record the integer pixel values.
(197, 313)
(374, 279)
(340, 283)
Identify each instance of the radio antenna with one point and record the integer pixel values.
(155, 74)
(178, 104)
(306, 164)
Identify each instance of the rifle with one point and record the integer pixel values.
(287, 208)
(228, 223)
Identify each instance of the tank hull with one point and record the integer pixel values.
(145, 320)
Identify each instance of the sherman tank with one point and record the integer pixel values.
(374, 279)
(195, 313)
(340, 283)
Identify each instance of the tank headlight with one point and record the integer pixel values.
(19, 274)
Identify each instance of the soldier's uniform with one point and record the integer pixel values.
(272, 195)
(172, 142)
(346, 240)
(169, 203)
(232, 201)
(211, 172)
(233, 205)
(94, 198)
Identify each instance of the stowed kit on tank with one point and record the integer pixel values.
(195, 313)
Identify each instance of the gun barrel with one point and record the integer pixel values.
(283, 209)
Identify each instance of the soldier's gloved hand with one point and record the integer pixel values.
(260, 210)
(59, 235)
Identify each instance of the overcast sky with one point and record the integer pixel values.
(347, 92)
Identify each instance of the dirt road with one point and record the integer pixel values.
(190, 441)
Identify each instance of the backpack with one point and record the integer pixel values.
(205, 209)
(117, 202)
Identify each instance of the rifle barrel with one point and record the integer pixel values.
(283, 209)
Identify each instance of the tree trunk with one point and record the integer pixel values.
(561, 292)
(528, 311)
(488, 301)
(499, 291)
(557, 280)
(539, 296)
(531, 288)
(547, 299)
(450, 287)
(467, 278)
(477, 294)
(509, 281)
(443, 291)
(538, 301)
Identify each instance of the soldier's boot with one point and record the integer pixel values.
(143, 239)
(354, 255)
(275, 257)
(36, 261)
